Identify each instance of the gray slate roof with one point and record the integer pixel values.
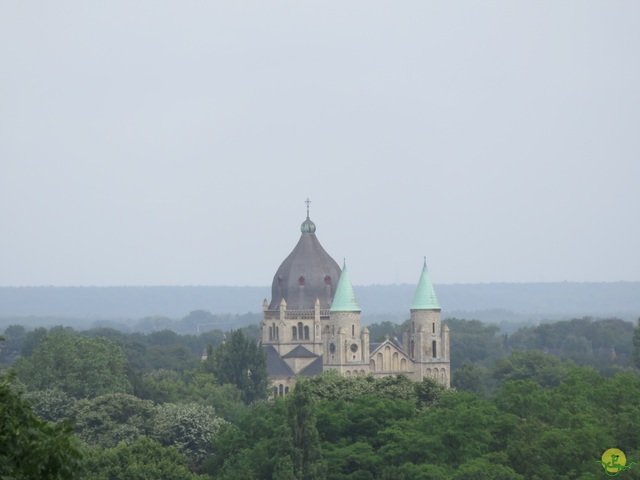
(311, 262)
(299, 352)
(313, 369)
(393, 341)
(276, 366)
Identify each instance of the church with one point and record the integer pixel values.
(312, 324)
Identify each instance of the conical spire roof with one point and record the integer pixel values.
(345, 299)
(425, 297)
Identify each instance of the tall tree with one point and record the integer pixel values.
(241, 362)
(188, 427)
(107, 420)
(31, 447)
(144, 459)
(636, 344)
(79, 366)
(306, 454)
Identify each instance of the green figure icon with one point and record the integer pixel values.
(614, 461)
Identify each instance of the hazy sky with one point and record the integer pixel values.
(174, 143)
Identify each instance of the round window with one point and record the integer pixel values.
(354, 347)
(332, 348)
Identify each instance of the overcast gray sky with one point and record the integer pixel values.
(174, 143)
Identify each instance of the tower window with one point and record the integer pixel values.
(327, 280)
(300, 331)
(434, 353)
(294, 333)
(353, 330)
(306, 333)
(433, 327)
(270, 333)
(301, 281)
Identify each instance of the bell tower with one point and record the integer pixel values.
(346, 343)
(428, 339)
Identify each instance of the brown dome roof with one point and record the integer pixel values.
(307, 274)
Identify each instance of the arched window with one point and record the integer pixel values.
(270, 333)
(275, 391)
(306, 333)
(281, 389)
(395, 360)
(300, 331)
(433, 327)
(413, 349)
(434, 353)
(277, 333)
(353, 330)
(294, 333)
(286, 390)
(372, 365)
(380, 362)
(403, 364)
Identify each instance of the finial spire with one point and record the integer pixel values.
(308, 226)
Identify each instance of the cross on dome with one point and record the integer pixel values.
(308, 226)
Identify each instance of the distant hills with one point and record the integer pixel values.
(520, 301)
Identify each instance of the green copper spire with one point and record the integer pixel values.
(345, 299)
(425, 298)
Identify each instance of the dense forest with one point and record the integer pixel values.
(543, 402)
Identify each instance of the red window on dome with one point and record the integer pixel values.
(301, 281)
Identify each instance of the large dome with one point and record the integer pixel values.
(307, 274)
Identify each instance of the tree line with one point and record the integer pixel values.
(102, 404)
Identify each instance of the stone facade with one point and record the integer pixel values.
(308, 341)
